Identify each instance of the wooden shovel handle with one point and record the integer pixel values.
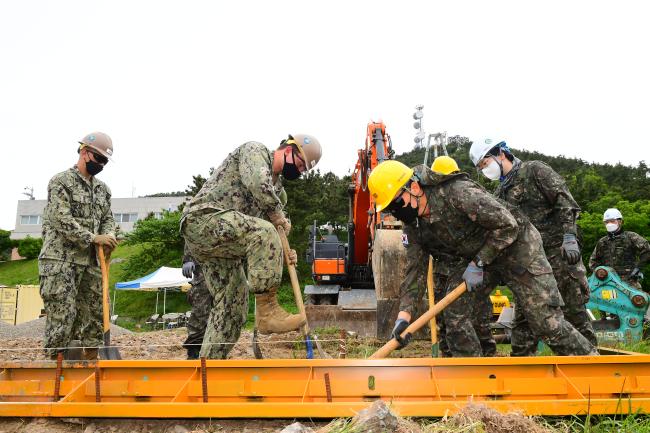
(421, 321)
(103, 264)
(293, 276)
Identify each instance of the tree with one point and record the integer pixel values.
(6, 245)
(197, 183)
(30, 247)
(160, 244)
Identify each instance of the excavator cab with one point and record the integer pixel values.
(327, 256)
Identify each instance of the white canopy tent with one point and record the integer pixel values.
(163, 278)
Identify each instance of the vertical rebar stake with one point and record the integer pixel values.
(328, 388)
(57, 379)
(204, 380)
(343, 350)
(98, 390)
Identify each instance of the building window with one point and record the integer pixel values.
(157, 215)
(126, 217)
(30, 220)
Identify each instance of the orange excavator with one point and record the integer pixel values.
(356, 281)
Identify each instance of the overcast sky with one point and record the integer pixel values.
(178, 85)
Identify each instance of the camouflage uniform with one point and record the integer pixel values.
(622, 251)
(544, 198)
(200, 300)
(470, 223)
(71, 280)
(225, 225)
(463, 327)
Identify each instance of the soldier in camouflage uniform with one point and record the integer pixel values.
(544, 198)
(231, 222)
(455, 212)
(463, 327)
(76, 220)
(200, 300)
(626, 252)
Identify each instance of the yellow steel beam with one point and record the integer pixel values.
(327, 387)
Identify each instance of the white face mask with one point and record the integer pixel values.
(492, 171)
(611, 227)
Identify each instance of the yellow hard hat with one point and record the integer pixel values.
(444, 165)
(386, 180)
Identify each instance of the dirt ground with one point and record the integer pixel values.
(471, 419)
(167, 344)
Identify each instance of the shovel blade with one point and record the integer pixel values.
(108, 351)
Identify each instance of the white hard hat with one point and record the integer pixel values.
(612, 214)
(481, 146)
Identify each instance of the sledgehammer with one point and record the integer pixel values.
(421, 321)
(298, 295)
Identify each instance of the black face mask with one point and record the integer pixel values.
(406, 214)
(289, 170)
(93, 168)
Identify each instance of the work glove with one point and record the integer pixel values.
(107, 241)
(188, 269)
(400, 326)
(279, 219)
(473, 276)
(293, 257)
(570, 249)
(636, 274)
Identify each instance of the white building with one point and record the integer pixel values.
(29, 215)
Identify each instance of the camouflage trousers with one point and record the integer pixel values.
(200, 299)
(223, 243)
(72, 296)
(464, 326)
(538, 312)
(572, 284)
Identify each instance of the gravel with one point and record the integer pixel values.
(35, 329)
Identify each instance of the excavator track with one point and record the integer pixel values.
(325, 388)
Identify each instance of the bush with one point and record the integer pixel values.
(6, 244)
(30, 247)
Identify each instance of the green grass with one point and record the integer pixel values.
(19, 272)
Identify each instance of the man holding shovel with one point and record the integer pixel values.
(231, 223)
(77, 219)
(459, 214)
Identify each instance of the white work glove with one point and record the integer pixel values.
(473, 276)
(279, 219)
(570, 249)
(188, 269)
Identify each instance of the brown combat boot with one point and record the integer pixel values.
(271, 318)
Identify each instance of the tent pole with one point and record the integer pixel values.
(156, 302)
(164, 305)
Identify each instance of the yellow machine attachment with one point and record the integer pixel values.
(325, 388)
(499, 302)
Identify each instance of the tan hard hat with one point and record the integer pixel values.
(309, 148)
(100, 142)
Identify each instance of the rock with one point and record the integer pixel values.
(73, 420)
(296, 427)
(90, 428)
(180, 429)
(375, 419)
